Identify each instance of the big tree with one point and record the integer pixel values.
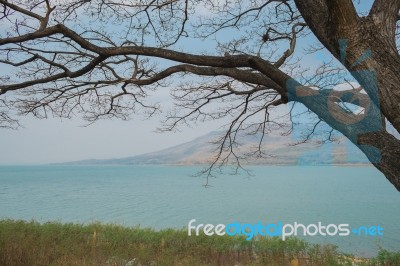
(102, 58)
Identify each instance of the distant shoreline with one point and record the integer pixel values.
(207, 164)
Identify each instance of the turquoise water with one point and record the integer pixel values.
(162, 197)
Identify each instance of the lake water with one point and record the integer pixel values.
(163, 197)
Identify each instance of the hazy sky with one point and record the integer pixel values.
(55, 140)
(42, 141)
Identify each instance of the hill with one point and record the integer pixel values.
(277, 149)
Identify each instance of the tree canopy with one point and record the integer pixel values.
(100, 59)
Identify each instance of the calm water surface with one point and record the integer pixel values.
(162, 197)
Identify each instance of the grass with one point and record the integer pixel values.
(32, 243)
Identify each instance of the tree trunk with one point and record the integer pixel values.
(332, 21)
(388, 161)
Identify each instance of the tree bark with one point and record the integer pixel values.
(337, 20)
(332, 21)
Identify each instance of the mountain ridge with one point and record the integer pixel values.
(278, 151)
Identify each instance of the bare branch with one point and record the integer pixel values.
(21, 10)
(290, 51)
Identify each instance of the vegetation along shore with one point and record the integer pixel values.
(53, 243)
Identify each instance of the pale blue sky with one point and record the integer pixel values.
(56, 140)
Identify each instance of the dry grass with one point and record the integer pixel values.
(31, 243)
